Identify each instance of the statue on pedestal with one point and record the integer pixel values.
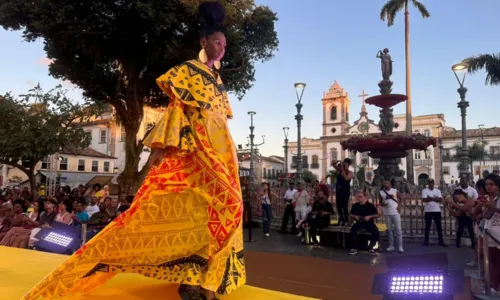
(386, 122)
(386, 64)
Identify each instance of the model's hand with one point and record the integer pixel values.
(157, 156)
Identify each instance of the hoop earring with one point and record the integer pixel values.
(217, 64)
(202, 56)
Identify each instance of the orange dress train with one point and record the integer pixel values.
(185, 224)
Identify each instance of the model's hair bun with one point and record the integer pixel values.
(212, 15)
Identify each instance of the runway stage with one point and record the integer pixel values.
(273, 276)
(21, 269)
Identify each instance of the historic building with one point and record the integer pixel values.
(338, 126)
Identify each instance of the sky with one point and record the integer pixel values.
(322, 41)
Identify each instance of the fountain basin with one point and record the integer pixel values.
(388, 145)
(386, 101)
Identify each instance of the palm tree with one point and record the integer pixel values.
(487, 62)
(333, 177)
(477, 152)
(388, 12)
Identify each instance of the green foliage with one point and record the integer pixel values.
(333, 176)
(476, 151)
(308, 176)
(490, 63)
(360, 175)
(38, 124)
(392, 7)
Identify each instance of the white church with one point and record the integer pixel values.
(337, 127)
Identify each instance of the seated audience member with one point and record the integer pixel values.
(319, 217)
(93, 207)
(98, 221)
(308, 210)
(80, 215)
(364, 213)
(113, 208)
(16, 218)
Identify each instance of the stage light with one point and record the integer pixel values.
(418, 277)
(60, 238)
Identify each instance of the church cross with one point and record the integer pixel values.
(363, 96)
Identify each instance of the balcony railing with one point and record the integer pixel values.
(423, 162)
(314, 166)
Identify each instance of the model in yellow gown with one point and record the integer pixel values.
(184, 225)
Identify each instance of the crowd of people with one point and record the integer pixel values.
(22, 216)
(475, 208)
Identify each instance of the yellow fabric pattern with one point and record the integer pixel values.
(184, 225)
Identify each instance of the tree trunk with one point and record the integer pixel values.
(32, 179)
(409, 130)
(131, 120)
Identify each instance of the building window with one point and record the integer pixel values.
(364, 158)
(103, 134)
(81, 165)
(427, 132)
(417, 155)
(294, 162)
(45, 163)
(494, 152)
(274, 174)
(264, 173)
(95, 166)
(347, 116)
(427, 154)
(106, 167)
(446, 170)
(269, 174)
(305, 164)
(333, 113)
(63, 164)
(334, 155)
(123, 134)
(315, 159)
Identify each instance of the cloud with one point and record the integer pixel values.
(44, 61)
(68, 84)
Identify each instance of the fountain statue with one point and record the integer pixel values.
(387, 146)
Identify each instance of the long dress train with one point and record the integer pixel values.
(184, 225)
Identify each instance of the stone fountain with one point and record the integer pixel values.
(388, 146)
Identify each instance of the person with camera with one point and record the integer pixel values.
(364, 213)
(389, 198)
(343, 189)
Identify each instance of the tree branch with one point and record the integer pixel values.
(15, 165)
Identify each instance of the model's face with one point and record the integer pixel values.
(215, 46)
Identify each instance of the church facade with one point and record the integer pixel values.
(338, 126)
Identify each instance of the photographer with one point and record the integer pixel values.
(343, 189)
(319, 217)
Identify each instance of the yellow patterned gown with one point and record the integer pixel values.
(184, 225)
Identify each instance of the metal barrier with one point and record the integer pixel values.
(411, 209)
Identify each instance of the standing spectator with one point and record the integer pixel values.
(389, 198)
(300, 200)
(267, 212)
(343, 189)
(470, 191)
(289, 209)
(432, 212)
(459, 207)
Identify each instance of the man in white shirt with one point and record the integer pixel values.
(389, 198)
(470, 191)
(92, 208)
(432, 211)
(289, 210)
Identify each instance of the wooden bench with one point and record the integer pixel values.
(344, 231)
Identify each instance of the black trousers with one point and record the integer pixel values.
(436, 217)
(368, 226)
(465, 221)
(317, 223)
(289, 212)
(342, 198)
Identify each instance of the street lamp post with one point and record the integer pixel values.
(299, 89)
(285, 130)
(481, 127)
(252, 173)
(463, 104)
(441, 172)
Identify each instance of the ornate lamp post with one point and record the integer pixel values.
(463, 167)
(299, 89)
(440, 141)
(285, 131)
(252, 136)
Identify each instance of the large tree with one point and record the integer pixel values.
(490, 63)
(114, 50)
(388, 13)
(38, 124)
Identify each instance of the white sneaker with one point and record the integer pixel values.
(390, 249)
(300, 234)
(400, 249)
(472, 263)
(303, 240)
(267, 234)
